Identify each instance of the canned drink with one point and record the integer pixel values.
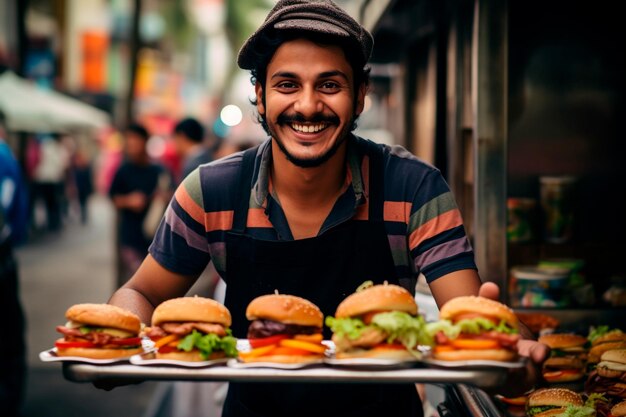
(557, 204)
(520, 219)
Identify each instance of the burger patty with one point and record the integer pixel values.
(266, 328)
(369, 337)
(97, 338)
(183, 329)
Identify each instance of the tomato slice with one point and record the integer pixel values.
(256, 352)
(167, 349)
(265, 341)
(302, 345)
(552, 375)
(475, 344)
(443, 348)
(283, 350)
(518, 401)
(61, 344)
(133, 341)
(390, 346)
(313, 338)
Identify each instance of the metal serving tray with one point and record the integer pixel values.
(484, 378)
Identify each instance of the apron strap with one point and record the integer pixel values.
(376, 182)
(242, 197)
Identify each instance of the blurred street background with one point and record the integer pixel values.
(506, 98)
(74, 265)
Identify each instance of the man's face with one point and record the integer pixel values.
(310, 101)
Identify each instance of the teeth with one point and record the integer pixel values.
(308, 128)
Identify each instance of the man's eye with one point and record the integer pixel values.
(330, 85)
(286, 84)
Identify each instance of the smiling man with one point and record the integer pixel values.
(314, 211)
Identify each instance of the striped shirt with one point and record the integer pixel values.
(423, 223)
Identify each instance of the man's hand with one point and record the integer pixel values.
(523, 379)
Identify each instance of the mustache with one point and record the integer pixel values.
(298, 118)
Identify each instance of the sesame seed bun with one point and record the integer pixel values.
(191, 309)
(501, 355)
(104, 315)
(383, 297)
(612, 336)
(287, 309)
(480, 305)
(562, 340)
(98, 353)
(559, 397)
(619, 409)
(615, 355)
(595, 353)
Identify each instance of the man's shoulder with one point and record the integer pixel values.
(219, 176)
(397, 156)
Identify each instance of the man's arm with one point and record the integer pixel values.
(150, 286)
(455, 284)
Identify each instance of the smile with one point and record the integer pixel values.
(309, 128)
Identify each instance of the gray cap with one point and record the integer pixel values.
(321, 16)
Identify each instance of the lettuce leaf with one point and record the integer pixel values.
(404, 328)
(578, 411)
(594, 398)
(399, 326)
(209, 343)
(350, 328)
(596, 332)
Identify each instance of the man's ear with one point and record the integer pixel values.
(260, 105)
(360, 98)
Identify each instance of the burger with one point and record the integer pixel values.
(99, 331)
(514, 406)
(609, 376)
(618, 410)
(546, 402)
(567, 357)
(476, 328)
(602, 341)
(192, 329)
(379, 321)
(284, 329)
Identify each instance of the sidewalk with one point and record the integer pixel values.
(75, 265)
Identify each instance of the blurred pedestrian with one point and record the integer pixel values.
(190, 145)
(83, 180)
(135, 185)
(49, 179)
(13, 222)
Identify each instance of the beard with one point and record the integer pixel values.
(316, 161)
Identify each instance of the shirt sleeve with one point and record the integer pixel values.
(180, 244)
(437, 240)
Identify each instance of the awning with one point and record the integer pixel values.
(30, 109)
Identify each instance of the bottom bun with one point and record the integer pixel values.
(501, 355)
(99, 353)
(193, 356)
(284, 359)
(395, 354)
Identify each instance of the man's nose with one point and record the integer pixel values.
(308, 102)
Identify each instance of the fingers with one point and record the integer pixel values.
(489, 290)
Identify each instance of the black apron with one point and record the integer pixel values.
(324, 269)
